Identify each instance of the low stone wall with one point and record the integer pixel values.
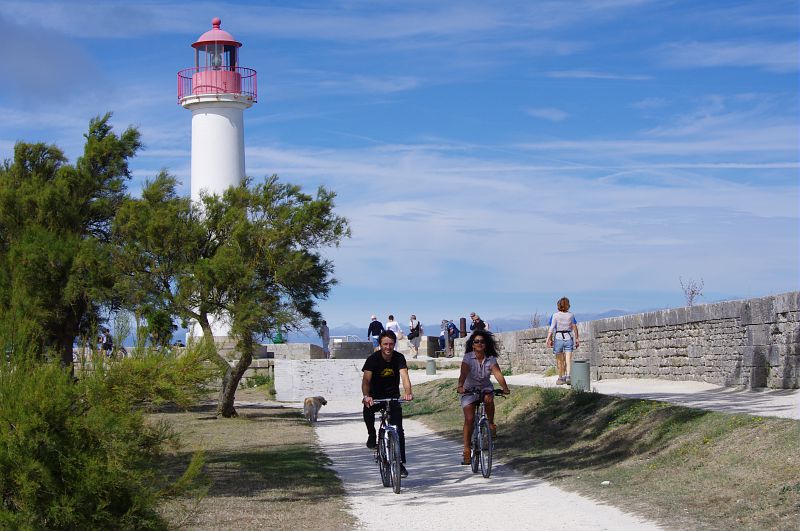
(351, 350)
(334, 378)
(296, 351)
(428, 345)
(750, 343)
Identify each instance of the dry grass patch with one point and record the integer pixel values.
(263, 470)
(686, 468)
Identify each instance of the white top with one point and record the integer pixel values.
(394, 326)
(562, 322)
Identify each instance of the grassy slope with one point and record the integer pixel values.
(264, 471)
(686, 468)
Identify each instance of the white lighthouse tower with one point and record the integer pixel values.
(217, 91)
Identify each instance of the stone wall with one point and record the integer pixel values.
(751, 343)
(335, 378)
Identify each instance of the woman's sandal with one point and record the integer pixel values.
(467, 458)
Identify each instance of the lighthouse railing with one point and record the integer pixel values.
(212, 80)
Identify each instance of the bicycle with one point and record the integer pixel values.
(482, 444)
(387, 451)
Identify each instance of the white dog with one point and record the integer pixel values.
(311, 407)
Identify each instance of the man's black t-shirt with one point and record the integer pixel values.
(385, 382)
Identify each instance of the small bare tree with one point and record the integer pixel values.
(536, 320)
(691, 290)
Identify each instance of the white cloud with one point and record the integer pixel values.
(649, 103)
(783, 57)
(548, 113)
(593, 74)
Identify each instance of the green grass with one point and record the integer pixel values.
(263, 470)
(684, 467)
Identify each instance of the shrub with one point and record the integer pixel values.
(78, 454)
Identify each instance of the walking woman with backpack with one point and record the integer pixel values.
(564, 329)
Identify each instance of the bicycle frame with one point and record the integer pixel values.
(482, 443)
(387, 451)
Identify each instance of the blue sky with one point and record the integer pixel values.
(491, 156)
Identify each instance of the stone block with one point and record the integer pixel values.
(787, 302)
(758, 334)
(351, 350)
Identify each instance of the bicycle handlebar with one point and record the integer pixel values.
(387, 400)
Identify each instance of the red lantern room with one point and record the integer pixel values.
(216, 68)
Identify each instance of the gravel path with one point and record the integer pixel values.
(441, 494)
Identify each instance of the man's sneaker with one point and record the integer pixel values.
(403, 471)
(568, 380)
(371, 442)
(560, 381)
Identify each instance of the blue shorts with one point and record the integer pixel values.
(563, 345)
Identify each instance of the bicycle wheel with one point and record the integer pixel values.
(394, 460)
(474, 459)
(485, 444)
(383, 463)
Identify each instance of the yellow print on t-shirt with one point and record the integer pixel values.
(388, 372)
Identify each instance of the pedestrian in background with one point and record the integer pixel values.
(374, 331)
(395, 327)
(325, 335)
(477, 322)
(414, 334)
(563, 337)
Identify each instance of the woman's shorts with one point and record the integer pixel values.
(471, 398)
(563, 345)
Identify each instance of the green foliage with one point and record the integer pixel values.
(55, 221)
(159, 327)
(79, 455)
(70, 462)
(251, 255)
(264, 383)
(149, 378)
(551, 371)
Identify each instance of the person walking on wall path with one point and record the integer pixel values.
(394, 326)
(374, 331)
(563, 337)
(325, 335)
(414, 335)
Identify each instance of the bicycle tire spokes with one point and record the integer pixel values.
(485, 443)
(394, 457)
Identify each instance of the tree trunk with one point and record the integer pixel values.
(233, 376)
(65, 342)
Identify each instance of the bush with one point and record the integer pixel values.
(79, 454)
(152, 378)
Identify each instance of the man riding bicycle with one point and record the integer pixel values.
(479, 363)
(383, 371)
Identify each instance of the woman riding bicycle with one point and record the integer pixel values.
(479, 363)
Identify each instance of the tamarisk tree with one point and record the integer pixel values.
(250, 256)
(55, 227)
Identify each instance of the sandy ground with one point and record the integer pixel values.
(441, 494)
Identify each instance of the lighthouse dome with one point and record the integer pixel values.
(216, 35)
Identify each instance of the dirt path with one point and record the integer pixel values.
(439, 493)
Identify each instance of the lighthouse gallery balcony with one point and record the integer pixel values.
(209, 80)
